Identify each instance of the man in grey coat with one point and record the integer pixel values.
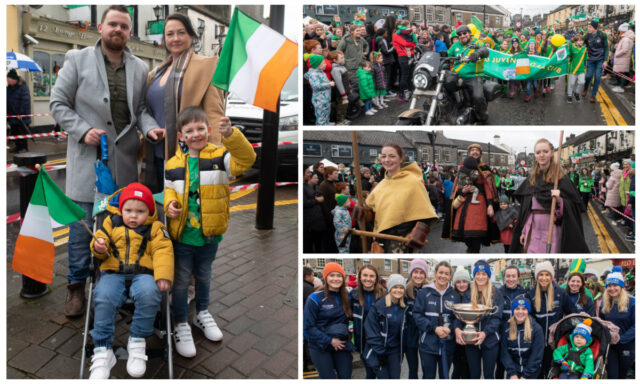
(99, 90)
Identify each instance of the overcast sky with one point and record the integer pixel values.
(516, 138)
(529, 10)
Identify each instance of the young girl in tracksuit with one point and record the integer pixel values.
(546, 311)
(460, 284)
(326, 326)
(386, 331)
(418, 270)
(434, 321)
(510, 292)
(522, 343)
(485, 349)
(619, 308)
(361, 299)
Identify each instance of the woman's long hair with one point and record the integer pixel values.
(583, 300)
(411, 285)
(388, 302)
(550, 296)
(378, 290)
(513, 328)
(487, 294)
(549, 174)
(608, 302)
(344, 296)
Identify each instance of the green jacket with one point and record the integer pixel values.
(466, 70)
(623, 189)
(586, 359)
(365, 83)
(578, 56)
(586, 183)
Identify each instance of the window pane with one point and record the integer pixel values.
(41, 85)
(58, 61)
(387, 265)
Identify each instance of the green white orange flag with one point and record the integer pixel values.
(49, 208)
(255, 62)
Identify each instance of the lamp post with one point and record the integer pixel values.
(156, 11)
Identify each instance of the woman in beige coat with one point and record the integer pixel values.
(182, 80)
(622, 56)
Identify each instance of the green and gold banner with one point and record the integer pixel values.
(526, 67)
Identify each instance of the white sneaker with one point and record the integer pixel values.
(385, 105)
(205, 321)
(137, 361)
(369, 113)
(617, 89)
(184, 341)
(373, 110)
(102, 361)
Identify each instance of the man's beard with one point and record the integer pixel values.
(113, 45)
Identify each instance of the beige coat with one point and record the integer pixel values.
(624, 48)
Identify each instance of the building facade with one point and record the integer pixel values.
(326, 13)
(433, 14)
(490, 16)
(60, 28)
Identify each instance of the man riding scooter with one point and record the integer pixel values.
(469, 46)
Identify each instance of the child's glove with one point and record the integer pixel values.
(564, 365)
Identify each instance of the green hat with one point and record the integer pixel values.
(315, 60)
(578, 265)
(531, 40)
(341, 199)
(453, 34)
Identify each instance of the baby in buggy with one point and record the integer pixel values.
(574, 360)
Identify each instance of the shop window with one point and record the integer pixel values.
(42, 80)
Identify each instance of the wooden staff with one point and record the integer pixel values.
(553, 200)
(359, 193)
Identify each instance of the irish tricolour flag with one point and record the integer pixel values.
(255, 62)
(49, 208)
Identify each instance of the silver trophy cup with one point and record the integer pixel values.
(470, 316)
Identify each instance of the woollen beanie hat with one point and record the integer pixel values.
(341, 199)
(503, 199)
(583, 329)
(481, 265)
(13, 74)
(521, 302)
(394, 280)
(594, 24)
(460, 274)
(545, 266)
(140, 192)
(418, 264)
(624, 27)
(615, 277)
(332, 267)
(315, 60)
(615, 166)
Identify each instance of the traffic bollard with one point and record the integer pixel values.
(31, 289)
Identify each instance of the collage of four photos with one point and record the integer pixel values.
(184, 181)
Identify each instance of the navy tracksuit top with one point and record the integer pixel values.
(320, 313)
(520, 356)
(360, 314)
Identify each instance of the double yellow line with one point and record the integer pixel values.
(609, 111)
(604, 239)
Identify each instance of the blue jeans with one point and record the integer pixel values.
(593, 68)
(367, 105)
(78, 246)
(531, 84)
(191, 260)
(332, 364)
(111, 293)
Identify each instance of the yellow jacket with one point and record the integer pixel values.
(158, 254)
(400, 199)
(217, 165)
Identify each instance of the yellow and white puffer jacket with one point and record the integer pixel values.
(158, 254)
(217, 165)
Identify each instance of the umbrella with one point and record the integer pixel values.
(22, 62)
(104, 179)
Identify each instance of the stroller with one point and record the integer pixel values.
(600, 335)
(156, 349)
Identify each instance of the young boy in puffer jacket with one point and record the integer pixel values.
(130, 242)
(342, 88)
(575, 358)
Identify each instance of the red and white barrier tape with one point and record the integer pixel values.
(33, 115)
(16, 216)
(615, 210)
(255, 186)
(28, 170)
(34, 135)
(619, 74)
(258, 145)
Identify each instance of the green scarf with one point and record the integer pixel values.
(403, 28)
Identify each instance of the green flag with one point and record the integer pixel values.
(479, 24)
(526, 67)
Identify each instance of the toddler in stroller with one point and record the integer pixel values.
(131, 242)
(575, 360)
